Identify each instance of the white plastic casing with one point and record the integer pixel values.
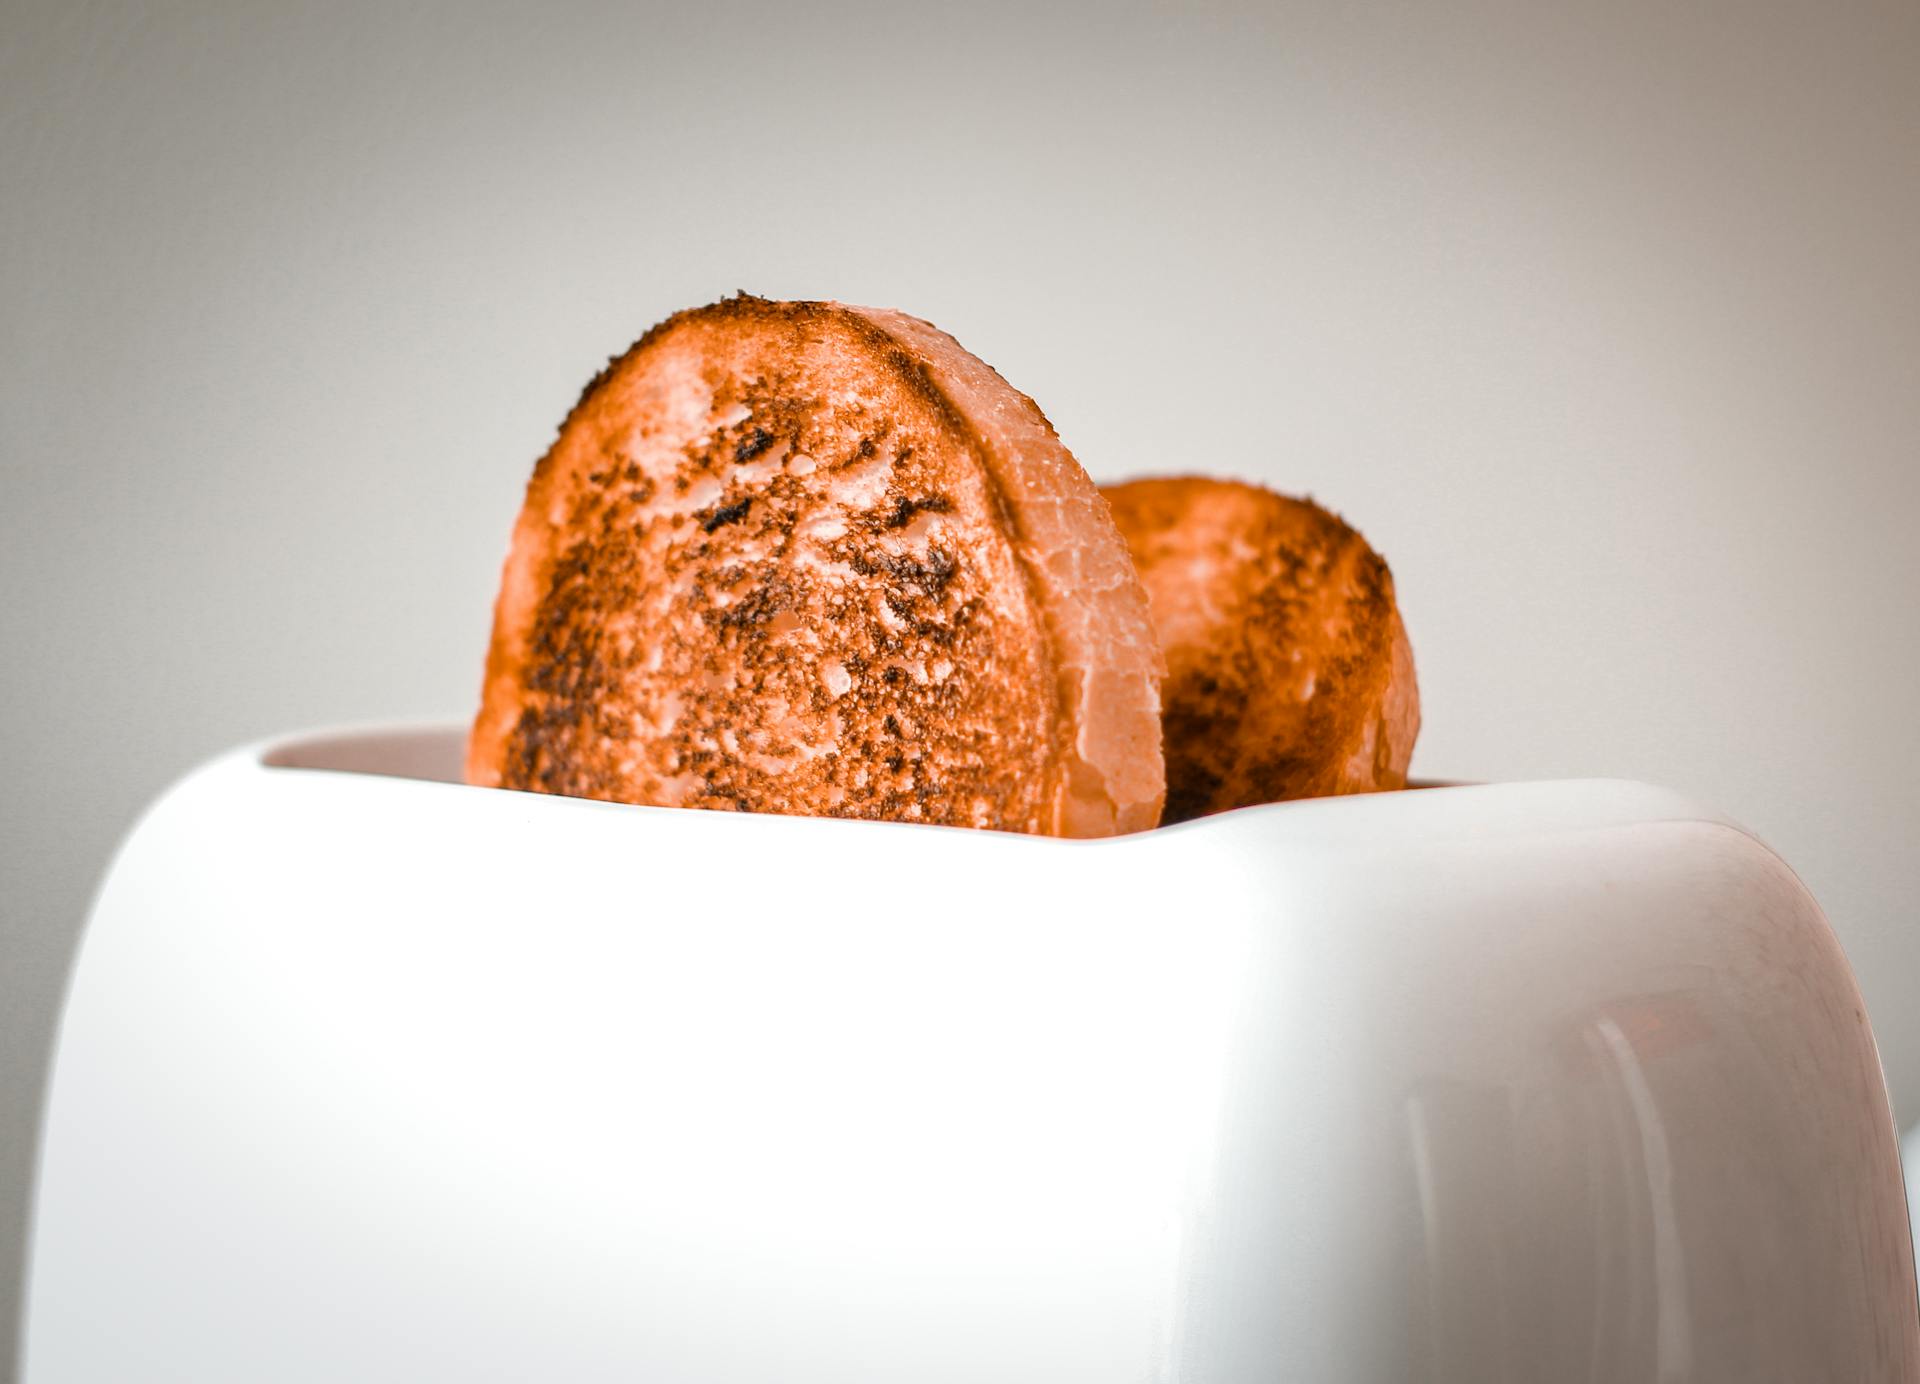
(368, 1075)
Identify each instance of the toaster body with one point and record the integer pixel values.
(366, 1074)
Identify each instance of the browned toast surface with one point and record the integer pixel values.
(1289, 673)
(807, 558)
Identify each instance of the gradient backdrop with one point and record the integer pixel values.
(1604, 326)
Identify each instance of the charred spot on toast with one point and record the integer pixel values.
(756, 441)
(757, 607)
(930, 576)
(906, 507)
(725, 514)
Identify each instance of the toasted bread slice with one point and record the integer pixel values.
(1289, 674)
(810, 558)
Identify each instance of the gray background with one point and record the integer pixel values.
(1604, 326)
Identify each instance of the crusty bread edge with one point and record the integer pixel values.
(1113, 776)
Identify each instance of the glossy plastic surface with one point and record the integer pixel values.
(385, 1078)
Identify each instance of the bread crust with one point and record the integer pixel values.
(1289, 672)
(811, 558)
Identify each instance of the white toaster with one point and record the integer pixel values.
(369, 1075)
